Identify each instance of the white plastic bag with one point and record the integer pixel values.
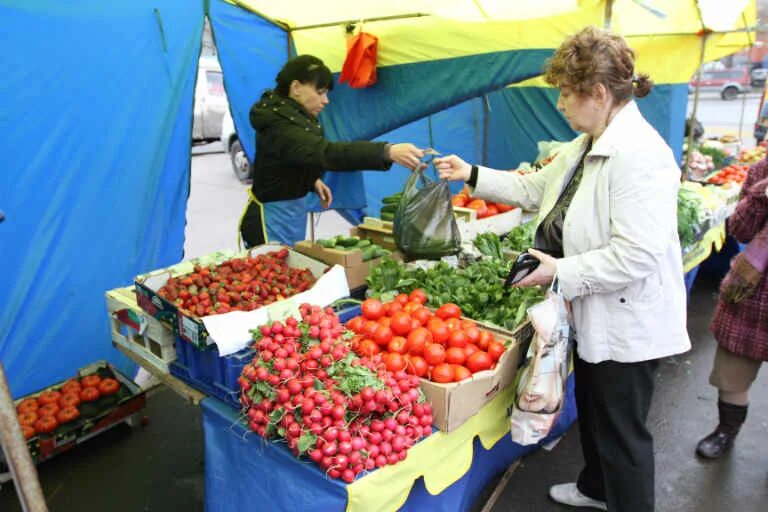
(541, 384)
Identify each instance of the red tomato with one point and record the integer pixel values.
(68, 414)
(394, 362)
(455, 355)
(418, 295)
(418, 339)
(71, 386)
(416, 365)
(434, 354)
(495, 350)
(453, 324)
(442, 373)
(382, 336)
(49, 409)
(422, 315)
(27, 405)
(485, 338)
(490, 211)
(459, 200)
(398, 344)
(458, 339)
(440, 333)
(385, 320)
(479, 361)
(48, 397)
(400, 323)
(108, 386)
(90, 380)
(369, 328)
(479, 206)
(89, 394)
(373, 309)
(356, 324)
(28, 418)
(470, 349)
(69, 399)
(46, 424)
(402, 299)
(473, 334)
(460, 373)
(28, 431)
(504, 207)
(368, 347)
(448, 310)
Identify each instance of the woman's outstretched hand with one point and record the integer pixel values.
(406, 154)
(452, 168)
(324, 193)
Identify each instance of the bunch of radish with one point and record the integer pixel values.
(348, 414)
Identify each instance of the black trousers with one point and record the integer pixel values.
(252, 228)
(612, 400)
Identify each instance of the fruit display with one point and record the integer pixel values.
(237, 284)
(440, 346)
(483, 208)
(729, 174)
(347, 413)
(699, 165)
(750, 156)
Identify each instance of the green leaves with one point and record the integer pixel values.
(306, 441)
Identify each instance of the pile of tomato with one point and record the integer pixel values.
(238, 284)
(483, 208)
(348, 414)
(43, 413)
(729, 174)
(439, 346)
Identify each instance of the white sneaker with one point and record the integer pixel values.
(569, 494)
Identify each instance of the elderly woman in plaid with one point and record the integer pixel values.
(740, 324)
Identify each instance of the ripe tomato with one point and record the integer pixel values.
(68, 414)
(27, 405)
(485, 338)
(28, 418)
(434, 354)
(49, 409)
(459, 200)
(385, 321)
(418, 339)
(442, 373)
(448, 310)
(479, 361)
(400, 323)
(355, 324)
(69, 399)
(89, 394)
(495, 350)
(479, 206)
(402, 299)
(90, 380)
(455, 355)
(398, 344)
(28, 431)
(369, 328)
(72, 385)
(48, 397)
(394, 362)
(418, 295)
(108, 386)
(368, 348)
(394, 307)
(466, 324)
(470, 349)
(46, 424)
(460, 373)
(416, 365)
(453, 324)
(458, 339)
(473, 334)
(422, 315)
(382, 335)
(373, 309)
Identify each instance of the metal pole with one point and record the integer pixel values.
(691, 129)
(744, 96)
(16, 452)
(608, 14)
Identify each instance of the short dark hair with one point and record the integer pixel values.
(307, 69)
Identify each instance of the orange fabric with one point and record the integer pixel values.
(360, 65)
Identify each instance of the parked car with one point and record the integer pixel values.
(728, 82)
(757, 77)
(232, 145)
(210, 101)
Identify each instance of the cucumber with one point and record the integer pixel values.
(369, 253)
(328, 244)
(388, 208)
(395, 200)
(362, 244)
(387, 215)
(347, 241)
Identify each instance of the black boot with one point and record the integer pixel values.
(721, 440)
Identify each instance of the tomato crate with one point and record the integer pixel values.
(124, 406)
(191, 327)
(211, 373)
(134, 329)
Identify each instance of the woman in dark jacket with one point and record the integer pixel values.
(740, 323)
(292, 154)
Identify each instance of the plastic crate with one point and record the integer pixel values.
(209, 372)
(137, 331)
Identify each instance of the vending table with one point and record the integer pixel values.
(443, 472)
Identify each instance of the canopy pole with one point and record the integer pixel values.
(744, 96)
(366, 20)
(608, 14)
(691, 129)
(17, 455)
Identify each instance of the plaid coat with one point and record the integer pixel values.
(742, 328)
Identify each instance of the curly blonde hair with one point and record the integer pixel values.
(594, 56)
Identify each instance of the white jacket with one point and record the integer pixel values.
(622, 268)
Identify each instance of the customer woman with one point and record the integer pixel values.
(608, 222)
(292, 154)
(740, 324)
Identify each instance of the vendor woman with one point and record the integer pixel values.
(292, 154)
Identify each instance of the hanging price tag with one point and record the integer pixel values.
(279, 311)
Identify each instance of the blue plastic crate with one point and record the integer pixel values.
(348, 312)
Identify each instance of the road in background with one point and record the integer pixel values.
(721, 117)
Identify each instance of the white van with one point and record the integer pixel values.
(210, 100)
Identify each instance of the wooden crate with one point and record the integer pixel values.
(136, 330)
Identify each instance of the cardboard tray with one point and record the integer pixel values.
(355, 268)
(188, 326)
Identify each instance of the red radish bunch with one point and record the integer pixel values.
(405, 335)
(238, 284)
(348, 414)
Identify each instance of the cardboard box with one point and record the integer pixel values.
(188, 326)
(355, 268)
(379, 235)
(455, 403)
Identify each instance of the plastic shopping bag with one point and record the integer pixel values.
(541, 384)
(424, 225)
